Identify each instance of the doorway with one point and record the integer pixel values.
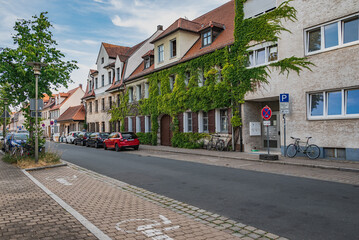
(166, 133)
(274, 133)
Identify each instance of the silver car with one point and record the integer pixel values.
(72, 135)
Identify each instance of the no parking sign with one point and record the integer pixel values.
(266, 113)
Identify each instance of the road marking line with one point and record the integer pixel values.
(92, 228)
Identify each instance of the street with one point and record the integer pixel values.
(291, 207)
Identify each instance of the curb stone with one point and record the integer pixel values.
(208, 218)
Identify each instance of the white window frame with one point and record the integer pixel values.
(138, 124)
(172, 81)
(201, 122)
(161, 53)
(138, 92)
(218, 121)
(147, 90)
(185, 122)
(266, 46)
(147, 124)
(147, 62)
(130, 124)
(325, 115)
(201, 78)
(340, 36)
(130, 94)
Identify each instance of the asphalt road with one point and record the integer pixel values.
(292, 207)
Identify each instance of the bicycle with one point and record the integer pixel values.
(217, 145)
(311, 150)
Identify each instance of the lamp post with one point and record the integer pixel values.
(4, 126)
(36, 67)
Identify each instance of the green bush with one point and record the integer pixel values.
(188, 140)
(145, 138)
(9, 159)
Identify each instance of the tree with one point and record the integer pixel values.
(34, 43)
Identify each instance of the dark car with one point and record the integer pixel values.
(82, 138)
(96, 139)
(122, 140)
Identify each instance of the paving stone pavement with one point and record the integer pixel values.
(123, 211)
(27, 212)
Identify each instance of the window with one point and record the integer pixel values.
(139, 92)
(187, 78)
(103, 127)
(147, 62)
(187, 120)
(205, 122)
(206, 38)
(118, 100)
(172, 82)
(351, 30)
(173, 45)
(96, 106)
(161, 53)
(118, 74)
(223, 120)
(103, 80)
(110, 102)
(334, 34)
(138, 124)
(90, 107)
(102, 60)
(147, 88)
(103, 104)
(201, 79)
(130, 124)
(342, 103)
(109, 78)
(130, 94)
(96, 83)
(263, 55)
(147, 124)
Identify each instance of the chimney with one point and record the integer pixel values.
(80, 85)
(159, 28)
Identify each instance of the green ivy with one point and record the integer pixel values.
(120, 112)
(222, 89)
(145, 138)
(188, 140)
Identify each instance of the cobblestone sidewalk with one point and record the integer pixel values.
(27, 212)
(122, 211)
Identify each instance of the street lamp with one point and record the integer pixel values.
(4, 127)
(36, 67)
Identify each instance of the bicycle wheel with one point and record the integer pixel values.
(313, 151)
(209, 145)
(291, 150)
(220, 145)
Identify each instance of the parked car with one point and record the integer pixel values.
(23, 131)
(13, 139)
(118, 141)
(81, 138)
(96, 139)
(71, 137)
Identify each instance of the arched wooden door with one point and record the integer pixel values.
(166, 133)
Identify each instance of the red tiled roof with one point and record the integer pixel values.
(114, 50)
(221, 17)
(92, 71)
(149, 53)
(76, 113)
(179, 24)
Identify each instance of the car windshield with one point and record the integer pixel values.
(104, 135)
(129, 135)
(20, 137)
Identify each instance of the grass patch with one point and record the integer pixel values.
(46, 159)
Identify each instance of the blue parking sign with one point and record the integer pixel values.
(284, 97)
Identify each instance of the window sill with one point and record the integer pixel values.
(338, 117)
(332, 48)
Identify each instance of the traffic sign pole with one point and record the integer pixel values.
(284, 109)
(267, 114)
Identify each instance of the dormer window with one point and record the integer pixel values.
(102, 60)
(206, 38)
(173, 44)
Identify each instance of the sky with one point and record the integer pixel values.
(79, 26)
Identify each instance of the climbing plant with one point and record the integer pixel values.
(222, 78)
(120, 112)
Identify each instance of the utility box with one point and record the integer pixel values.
(254, 129)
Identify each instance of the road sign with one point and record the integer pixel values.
(266, 123)
(55, 121)
(284, 97)
(266, 113)
(40, 104)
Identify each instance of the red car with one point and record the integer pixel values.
(119, 141)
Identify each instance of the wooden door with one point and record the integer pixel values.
(166, 130)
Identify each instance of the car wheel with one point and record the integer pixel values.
(75, 142)
(136, 147)
(87, 144)
(83, 143)
(96, 145)
(104, 146)
(117, 148)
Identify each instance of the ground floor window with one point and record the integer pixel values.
(224, 120)
(130, 124)
(203, 122)
(147, 124)
(187, 120)
(103, 125)
(138, 124)
(332, 104)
